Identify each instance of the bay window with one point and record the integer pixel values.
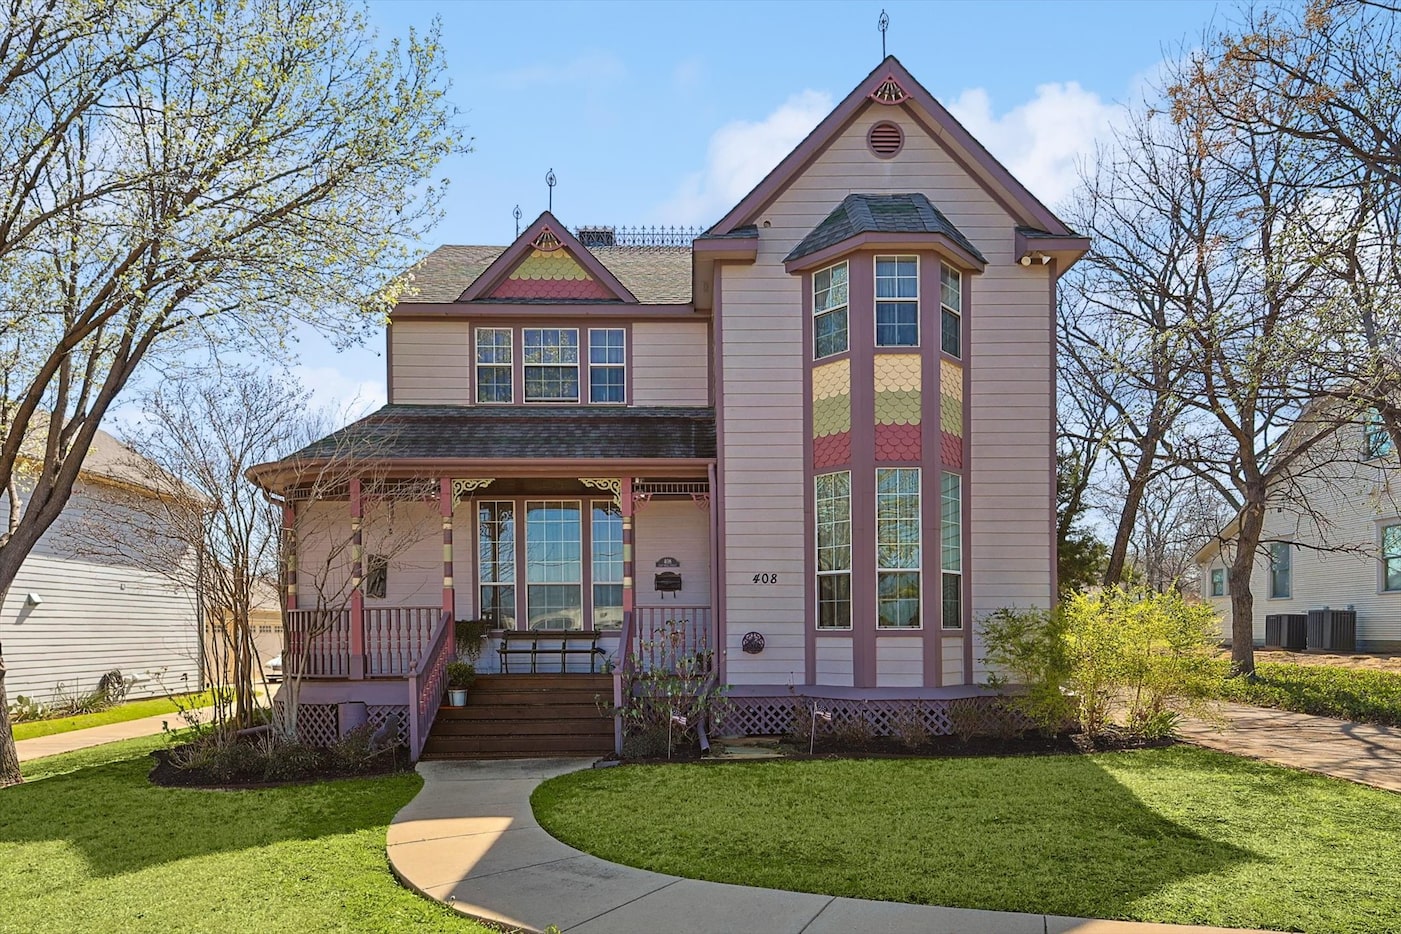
(897, 301)
(829, 311)
(897, 548)
(951, 548)
(833, 501)
(951, 310)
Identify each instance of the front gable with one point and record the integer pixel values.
(547, 263)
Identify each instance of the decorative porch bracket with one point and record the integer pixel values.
(463, 488)
(606, 484)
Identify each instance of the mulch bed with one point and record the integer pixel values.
(165, 773)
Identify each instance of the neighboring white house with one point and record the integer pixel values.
(1350, 560)
(68, 620)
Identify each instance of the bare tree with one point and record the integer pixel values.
(187, 173)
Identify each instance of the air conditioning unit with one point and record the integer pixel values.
(1332, 630)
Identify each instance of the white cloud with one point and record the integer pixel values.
(342, 395)
(1042, 141)
(740, 154)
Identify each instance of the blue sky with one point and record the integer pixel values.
(662, 113)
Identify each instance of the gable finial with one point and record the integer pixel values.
(884, 24)
(550, 180)
(517, 215)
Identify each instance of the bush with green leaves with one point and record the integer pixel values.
(1127, 653)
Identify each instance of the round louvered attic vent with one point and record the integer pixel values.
(885, 139)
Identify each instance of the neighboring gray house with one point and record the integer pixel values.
(68, 620)
(1333, 541)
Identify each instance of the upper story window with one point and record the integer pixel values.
(897, 301)
(829, 311)
(551, 358)
(494, 365)
(1281, 570)
(1376, 440)
(951, 310)
(1218, 582)
(607, 365)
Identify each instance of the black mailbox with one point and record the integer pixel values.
(668, 582)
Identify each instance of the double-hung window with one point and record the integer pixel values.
(494, 365)
(833, 500)
(897, 548)
(607, 365)
(1281, 570)
(829, 311)
(606, 554)
(551, 357)
(496, 562)
(1218, 582)
(897, 301)
(951, 310)
(1391, 557)
(951, 546)
(1376, 440)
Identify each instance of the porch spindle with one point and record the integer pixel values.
(445, 507)
(357, 582)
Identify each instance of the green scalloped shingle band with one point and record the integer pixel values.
(831, 416)
(898, 408)
(951, 415)
(554, 266)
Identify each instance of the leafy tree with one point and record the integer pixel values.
(181, 175)
(1080, 555)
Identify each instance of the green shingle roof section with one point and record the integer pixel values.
(858, 214)
(655, 275)
(458, 432)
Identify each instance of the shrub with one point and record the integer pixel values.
(26, 708)
(1146, 653)
(909, 729)
(461, 675)
(356, 751)
(286, 761)
(681, 683)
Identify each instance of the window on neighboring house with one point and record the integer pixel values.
(897, 548)
(951, 310)
(1376, 440)
(554, 569)
(606, 554)
(951, 542)
(496, 562)
(607, 365)
(551, 358)
(897, 301)
(1218, 582)
(1391, 557)
(376, 576)
(833, 500)
(494, 365)
(1281, 571)
(829, 311)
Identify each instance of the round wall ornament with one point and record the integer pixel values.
(752, 643)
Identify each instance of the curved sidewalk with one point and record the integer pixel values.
(470, 839)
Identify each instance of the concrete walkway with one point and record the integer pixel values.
(470, 839)
(95, 736)
(1358, 752)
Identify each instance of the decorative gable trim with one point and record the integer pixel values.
(547, 262)
(890, 79)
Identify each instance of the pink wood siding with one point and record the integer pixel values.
(834, 666)
(676, 529)
(1009, 555)
(671, 363)
(953, 662)
(899, 662)
(431, 362)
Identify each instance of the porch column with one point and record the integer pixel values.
(289, 554)
(625, 507)
(357, 582)
(445, 507)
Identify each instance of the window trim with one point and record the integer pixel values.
(581, 578)
(1376, 440)
(477, 558)
(877, 301)
(944, 572)
(1212, 577)
(621, 367)
(917, 569)
(818, 574)
(593, 558)
(1288, 569)
(945, 308)
(1383, 557)
(478, 366)
(844, 308)
(525, 367)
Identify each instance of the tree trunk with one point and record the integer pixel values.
(9, 755)
(1252, 521)
(1128, 516)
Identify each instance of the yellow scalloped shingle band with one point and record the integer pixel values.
(951, 380)
(554, 266)
(831, 379)
(897, 372)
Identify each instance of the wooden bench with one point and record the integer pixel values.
(547, 642)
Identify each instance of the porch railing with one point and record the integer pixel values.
(322, 639)
(668, 635)
(396, 637)
(427, 679)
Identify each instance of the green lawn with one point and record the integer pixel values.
(87, 844)
(1177, 835)
(1361, 694)
(133, 710)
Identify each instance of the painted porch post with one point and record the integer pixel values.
(445, 507)
(289, 554)
(357, 582)
(625, 507)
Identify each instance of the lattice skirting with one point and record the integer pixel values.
(769, 716)
(319, 724)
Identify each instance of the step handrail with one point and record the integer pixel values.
(426, 679)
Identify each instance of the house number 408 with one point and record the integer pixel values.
(766, 578)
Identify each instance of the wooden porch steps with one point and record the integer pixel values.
(524, 716)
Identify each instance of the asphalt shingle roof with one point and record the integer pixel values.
(654, 275)
(858, 214)
(576, 431)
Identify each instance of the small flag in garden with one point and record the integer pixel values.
(679, 720)
(824, 715)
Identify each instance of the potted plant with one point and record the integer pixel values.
(460, 678)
